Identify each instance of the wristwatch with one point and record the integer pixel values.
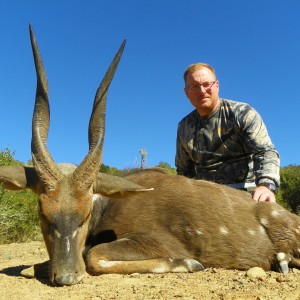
(271, 186)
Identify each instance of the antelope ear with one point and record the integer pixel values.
(114, 186)
(19, 178)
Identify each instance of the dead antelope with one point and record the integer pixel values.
(104, 224)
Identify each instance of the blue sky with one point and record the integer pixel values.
(253, 45)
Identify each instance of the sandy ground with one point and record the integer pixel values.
(209, 284)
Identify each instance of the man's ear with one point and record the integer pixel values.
(186, 91)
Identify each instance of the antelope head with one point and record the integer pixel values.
(66, 192)
(70, 196)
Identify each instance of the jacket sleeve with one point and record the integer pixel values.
(184, 164)
(266, 161)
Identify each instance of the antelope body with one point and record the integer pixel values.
(148, 222)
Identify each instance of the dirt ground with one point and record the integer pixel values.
(209, 284)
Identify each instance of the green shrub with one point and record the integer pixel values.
(290, 187)
(19, 220)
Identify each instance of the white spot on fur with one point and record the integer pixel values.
(159, 269)
(275, 213)
(251, 231)
(224, 230)
(108, 264)
(123, 239)
(180, 269)
(280, 256)
(297, 231)
(199, 232)
(264, 222)
(262, 230)
(189, 230)
(96, 197)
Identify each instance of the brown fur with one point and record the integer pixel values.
(184, 218)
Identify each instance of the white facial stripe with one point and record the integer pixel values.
(66, 240)
(75, 233)
(68, 244)
(58, 235)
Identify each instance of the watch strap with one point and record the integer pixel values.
(271, 186)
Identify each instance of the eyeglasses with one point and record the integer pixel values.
(197, 87)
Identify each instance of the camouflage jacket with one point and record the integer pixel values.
(231, 145)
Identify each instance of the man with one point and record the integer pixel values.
(224, 141)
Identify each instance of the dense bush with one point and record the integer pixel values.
(290, 187)
(19, 220)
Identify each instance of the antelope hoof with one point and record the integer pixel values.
(187, 265)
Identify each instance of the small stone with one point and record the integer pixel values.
(28, 272)
(282, 278)
(256, 272)
(36, 271)
(295, 270)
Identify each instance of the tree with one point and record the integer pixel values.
(104, 168)
(143, 154)
(6, 157)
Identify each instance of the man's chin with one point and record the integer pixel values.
(205, 105)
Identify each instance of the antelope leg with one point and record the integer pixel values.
(126, 257)
(156, 265)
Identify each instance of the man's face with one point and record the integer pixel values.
(202, 89)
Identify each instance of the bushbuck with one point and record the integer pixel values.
(148, 222)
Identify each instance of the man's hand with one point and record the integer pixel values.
(262, 193)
